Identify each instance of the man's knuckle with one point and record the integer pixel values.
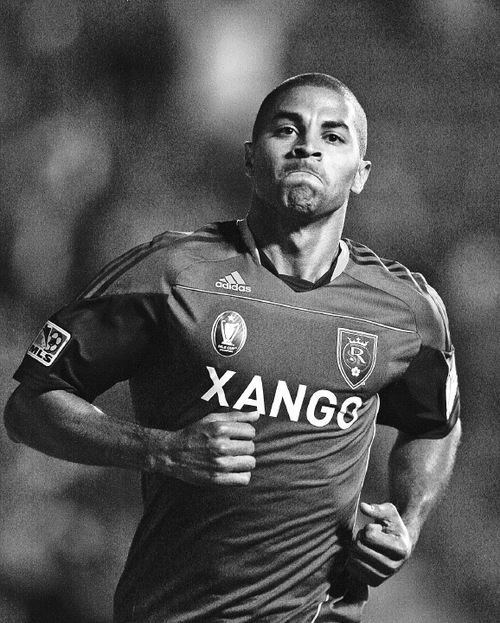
(220, 446)
(217, 478)
(222, 464)
(214, 427)
(248, 430)
(225, 429)
(371, 531)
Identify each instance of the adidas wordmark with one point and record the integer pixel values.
(233, 281)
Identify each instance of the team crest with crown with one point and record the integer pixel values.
(356, 355)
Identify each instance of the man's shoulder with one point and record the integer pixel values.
(216, 232)
(149, 266)
(411, 289)
(381, 272)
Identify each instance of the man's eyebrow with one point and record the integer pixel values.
(287, 114)
(335, 124)
(297, 118)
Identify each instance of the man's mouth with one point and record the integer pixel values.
(303, 171)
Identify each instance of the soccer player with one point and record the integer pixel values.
(260, 355)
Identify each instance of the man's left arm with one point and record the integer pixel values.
(419, 470)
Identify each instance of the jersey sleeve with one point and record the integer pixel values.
(425, 401)
(90, 345)
(113, 329)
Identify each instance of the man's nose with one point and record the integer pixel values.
(306, 147)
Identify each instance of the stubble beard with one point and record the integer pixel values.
(302, 204)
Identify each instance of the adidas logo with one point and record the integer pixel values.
(234, 282)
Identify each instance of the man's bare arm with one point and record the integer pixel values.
(216, 450)
(419, 470)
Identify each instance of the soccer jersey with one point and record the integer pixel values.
(198, 325)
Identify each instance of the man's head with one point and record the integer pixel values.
(315, 80)
(306, 156)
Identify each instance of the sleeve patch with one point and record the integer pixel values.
(48, 344)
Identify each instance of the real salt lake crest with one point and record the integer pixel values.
(356, 355)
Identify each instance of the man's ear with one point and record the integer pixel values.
(361, 176)
(248, 158)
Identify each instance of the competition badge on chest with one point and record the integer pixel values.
(229, 333)
(356, 355)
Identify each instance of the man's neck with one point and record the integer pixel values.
(306, 250)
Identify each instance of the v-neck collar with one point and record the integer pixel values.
(248, 239)
(296, 283)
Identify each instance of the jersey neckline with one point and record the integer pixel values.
(249, 240)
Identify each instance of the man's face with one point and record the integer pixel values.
(306, 159)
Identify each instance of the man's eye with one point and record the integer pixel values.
(285, 130)
(333, 138)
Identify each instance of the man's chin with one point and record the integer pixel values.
(302, 204)
(301, 199)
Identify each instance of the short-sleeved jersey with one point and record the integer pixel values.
(198, 325)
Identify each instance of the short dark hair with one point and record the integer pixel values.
(315, 80)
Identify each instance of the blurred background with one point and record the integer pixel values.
(122, 118)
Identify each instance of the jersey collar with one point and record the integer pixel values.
(249, 241)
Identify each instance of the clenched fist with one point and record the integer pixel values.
(382, 546)
(217, 449)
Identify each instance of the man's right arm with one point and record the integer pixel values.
(218, 449)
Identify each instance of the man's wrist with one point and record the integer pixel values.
(413, 526)
(157, 451)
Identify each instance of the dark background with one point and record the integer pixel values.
(120, 119)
